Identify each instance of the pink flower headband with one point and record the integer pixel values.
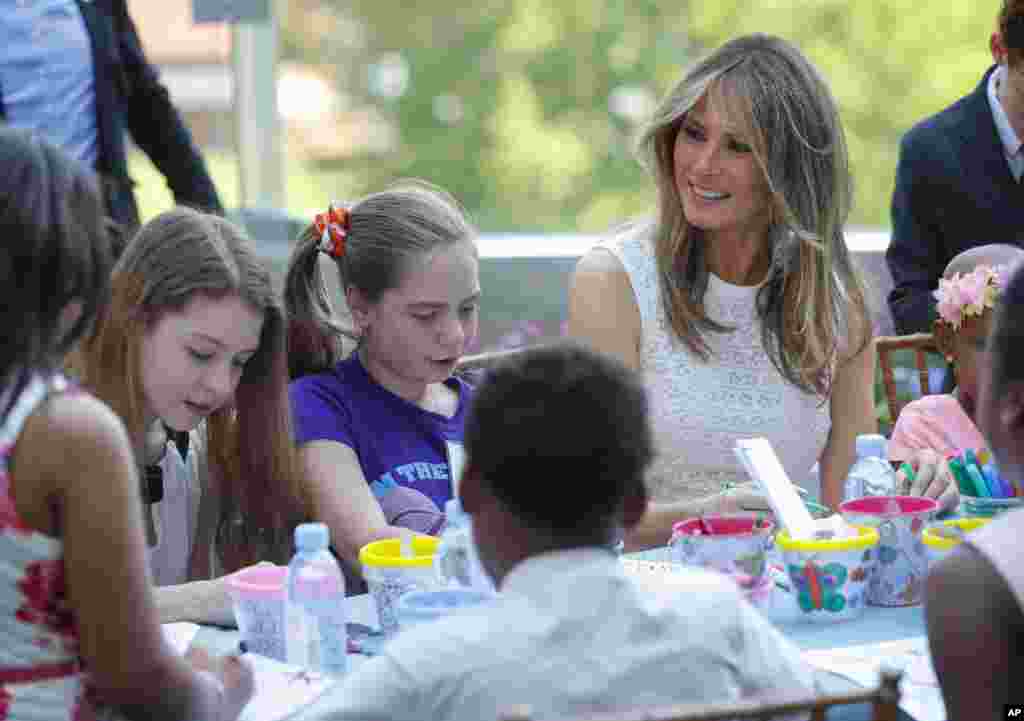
(969, 294)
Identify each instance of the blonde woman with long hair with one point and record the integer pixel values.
(738, 301)
(191, 355)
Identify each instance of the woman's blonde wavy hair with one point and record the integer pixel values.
(812, 297)
(174, 257)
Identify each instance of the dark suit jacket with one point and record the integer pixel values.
(130, 96)
(954, 191)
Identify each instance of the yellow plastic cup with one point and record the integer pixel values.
(830, 576)
(390, 575)
(939, 545)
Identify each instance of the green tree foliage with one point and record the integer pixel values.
(527, 109)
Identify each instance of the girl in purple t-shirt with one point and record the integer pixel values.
(373, 426)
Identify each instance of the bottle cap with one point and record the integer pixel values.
(871, 444)
(312, 536)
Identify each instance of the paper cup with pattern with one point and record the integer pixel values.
(941, 538)
(258, 596)
(902, 561)
(829, 577)
(390, 575)
(734, 544)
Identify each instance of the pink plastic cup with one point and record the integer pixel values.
(898, 575)
(735, 544)
(258, 596)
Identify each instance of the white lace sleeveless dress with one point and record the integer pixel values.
(699, 409)
(40, 676)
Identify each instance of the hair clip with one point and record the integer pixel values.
(333, 227)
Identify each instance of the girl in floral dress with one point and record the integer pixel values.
(76, 610)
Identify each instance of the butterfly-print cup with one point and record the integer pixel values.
(830, 576)
(902, 559)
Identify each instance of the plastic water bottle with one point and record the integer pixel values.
(871, 474)
(456, 562)
(317, 638)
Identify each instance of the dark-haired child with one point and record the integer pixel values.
(73, 574)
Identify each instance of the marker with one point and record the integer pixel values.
(991, 490)
(964, 480)
(970, 459)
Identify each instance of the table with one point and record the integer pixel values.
(875, 626)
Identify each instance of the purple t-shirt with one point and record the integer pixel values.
(397, 442)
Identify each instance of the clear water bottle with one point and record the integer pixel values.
(871, 474)
(456, 562)
(316, 634)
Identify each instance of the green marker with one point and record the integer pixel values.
(908, 471)
(964, 481)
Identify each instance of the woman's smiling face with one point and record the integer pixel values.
(721, 185)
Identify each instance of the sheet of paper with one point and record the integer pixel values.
(758, 458)
(281, 689)
(921, 696)
(180, 635)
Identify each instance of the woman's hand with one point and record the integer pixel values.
(932, 479)
(232, 673)
(740, 498)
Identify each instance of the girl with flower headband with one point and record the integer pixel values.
(373, 423)
(933, 427)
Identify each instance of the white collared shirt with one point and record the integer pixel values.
(1011, 143)
(571, 633)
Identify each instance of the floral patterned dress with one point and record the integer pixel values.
(40, 672)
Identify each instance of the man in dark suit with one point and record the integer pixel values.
(958, 180)
(75, 72)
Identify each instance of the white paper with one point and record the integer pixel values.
(180, 635)
(281, 689)
(763, 466)
(921, 697)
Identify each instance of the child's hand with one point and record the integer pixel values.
(233, 673)
(932, 479)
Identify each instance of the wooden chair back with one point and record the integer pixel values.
(921, 344)
(884, 700)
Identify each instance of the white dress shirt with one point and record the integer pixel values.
(571, 633)
(1011, 143)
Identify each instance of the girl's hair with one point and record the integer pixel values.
(812, 291)
(385, 231)
(174, 257)
(55, 251)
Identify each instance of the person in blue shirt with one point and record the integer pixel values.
(74, 71)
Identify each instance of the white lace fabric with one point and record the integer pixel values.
(699, 409)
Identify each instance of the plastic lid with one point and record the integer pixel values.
(871, 444)
(312, 536)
